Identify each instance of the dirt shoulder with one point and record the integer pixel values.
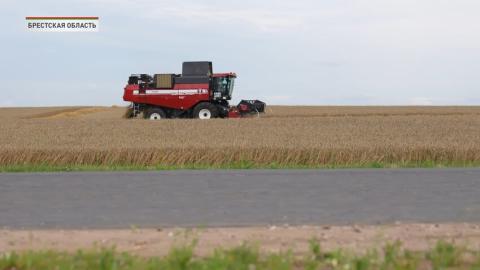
(157, 242)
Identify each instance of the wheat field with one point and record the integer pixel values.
(284, 136)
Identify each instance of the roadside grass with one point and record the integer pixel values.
(245, 165)
(444, 255)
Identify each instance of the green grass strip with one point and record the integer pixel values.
(238, 165)
(392, 256)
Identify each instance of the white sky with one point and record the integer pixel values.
(344, 52)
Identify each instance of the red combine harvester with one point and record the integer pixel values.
(196, 93)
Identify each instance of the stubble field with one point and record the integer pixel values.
(284, 137)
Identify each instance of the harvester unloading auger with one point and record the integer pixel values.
(196, 93)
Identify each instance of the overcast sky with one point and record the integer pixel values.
(325, 52)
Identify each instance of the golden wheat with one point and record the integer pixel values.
(307, 136)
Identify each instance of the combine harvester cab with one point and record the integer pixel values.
(196, 93)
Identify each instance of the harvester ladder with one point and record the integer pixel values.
(136, 109)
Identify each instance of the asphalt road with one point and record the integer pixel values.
(237, 198)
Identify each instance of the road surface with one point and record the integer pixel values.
(237, 198)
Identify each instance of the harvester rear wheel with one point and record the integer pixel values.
(205, 110)
(155, 114)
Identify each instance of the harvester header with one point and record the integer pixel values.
(196, 93)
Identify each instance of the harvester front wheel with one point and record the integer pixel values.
(155, 114)
(205, 110)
